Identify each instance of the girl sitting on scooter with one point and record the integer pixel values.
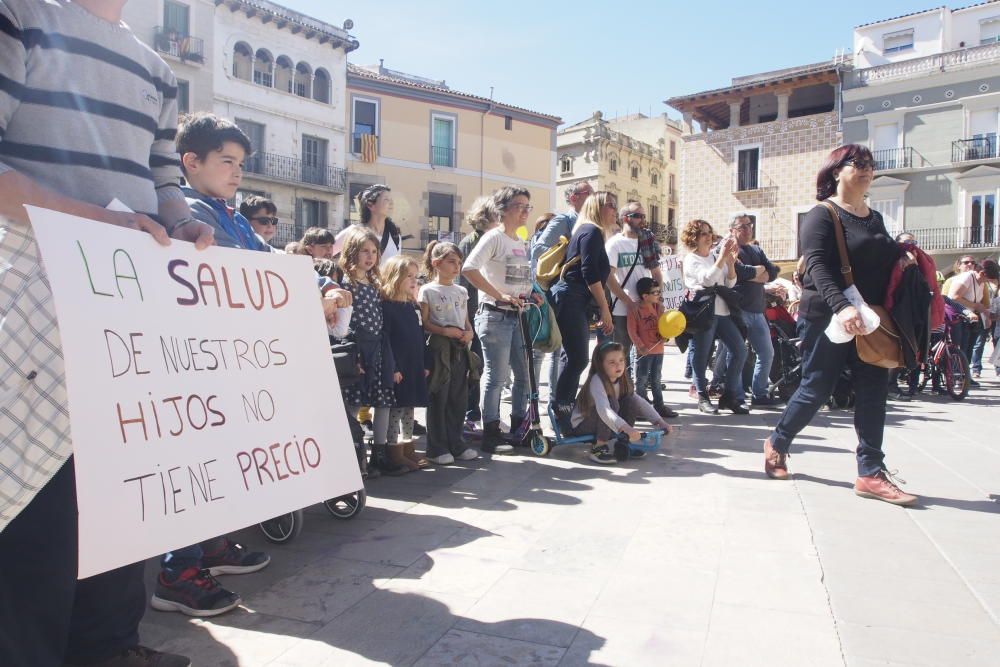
(607, 405)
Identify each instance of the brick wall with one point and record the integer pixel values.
(791, 153)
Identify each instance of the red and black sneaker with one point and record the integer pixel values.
(234, 558)
(193, 592)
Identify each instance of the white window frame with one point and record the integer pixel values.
(453, 119)
(736, 165)
(969, 195)
(994, 23)
(378, 120)
(897, 34)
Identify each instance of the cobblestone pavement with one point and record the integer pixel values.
(689, 557)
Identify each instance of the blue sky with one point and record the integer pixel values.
(571, 58)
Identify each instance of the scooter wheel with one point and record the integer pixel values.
(284, 528)
(540, 445)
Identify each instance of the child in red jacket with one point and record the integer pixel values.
(645, 335)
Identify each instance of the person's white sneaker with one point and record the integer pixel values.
(469, 454)
(443, 460)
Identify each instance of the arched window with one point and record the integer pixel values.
(283, 78)
(263, 68)
(634, 171)
(654, 178)
(613, 164)
(242, 61)
(321, 86)
(303, 80)
(566, 164)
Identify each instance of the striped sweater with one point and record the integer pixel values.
(86, 109)
(90, 112)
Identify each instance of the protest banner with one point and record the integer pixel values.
(202, 393)
(673, 282)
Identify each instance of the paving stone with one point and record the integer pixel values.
(461, 648)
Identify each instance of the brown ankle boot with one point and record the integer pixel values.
(775, 463)
(396, 457)
(881, 486)
(410, 452)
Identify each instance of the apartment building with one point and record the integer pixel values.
(634, 156)
(281, 75)
(925, 96)
(439, 149)
(757, 147)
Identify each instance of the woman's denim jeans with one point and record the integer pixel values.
(571, 315)
(723, 327)
(503, 351)
(822, 363)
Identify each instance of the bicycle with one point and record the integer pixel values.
(947, 366)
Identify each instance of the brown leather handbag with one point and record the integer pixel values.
(884, 346)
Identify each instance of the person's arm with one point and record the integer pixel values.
(699, 274)
(548, 237)
(603, 406)
(390, 358)
(619, 292)
(591, 248)
(772, 269)
(486, 249)
(633, 330)
(425, 318)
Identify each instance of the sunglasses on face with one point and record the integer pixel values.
(636, 216)
(860, 163)
(266, 221)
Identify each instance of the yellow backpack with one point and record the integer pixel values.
(550, 264)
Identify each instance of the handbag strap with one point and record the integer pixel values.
(838, 231)
(627, 276)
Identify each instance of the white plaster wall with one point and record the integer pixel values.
(965, 24)
(929, 32)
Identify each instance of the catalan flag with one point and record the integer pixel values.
(369, 147)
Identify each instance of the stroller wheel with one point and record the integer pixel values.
(284, 528)
(540, 445)
(346, 507)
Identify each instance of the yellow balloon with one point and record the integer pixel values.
(522, 233)
(672, 324)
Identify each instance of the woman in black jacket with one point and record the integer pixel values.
(582, 282)
(843, 181)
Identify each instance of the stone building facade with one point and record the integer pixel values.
(759, 146)
(636, 157)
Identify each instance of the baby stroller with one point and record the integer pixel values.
(286, 527)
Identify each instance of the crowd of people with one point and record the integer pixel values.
(442, 333)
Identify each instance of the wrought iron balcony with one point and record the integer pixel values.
(893, 158)
(179, 45)
(979, 148)
(271, 167)
(443, 156)
(747, 179)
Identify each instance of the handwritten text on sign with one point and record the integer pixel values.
(673, 282)
(202, 394)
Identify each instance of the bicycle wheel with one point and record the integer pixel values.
(284, 528)
(956, 373)
(346, 507)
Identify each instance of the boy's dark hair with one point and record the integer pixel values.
(645, 285)
(202, 132)
(991, 269)
(251, 205)
(317, 236)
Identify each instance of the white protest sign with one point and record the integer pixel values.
(202, 393)
(673, 282)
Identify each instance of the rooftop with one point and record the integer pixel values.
(381, 73)
(295, 21)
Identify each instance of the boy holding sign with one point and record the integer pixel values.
(75, 159)
(212, 153)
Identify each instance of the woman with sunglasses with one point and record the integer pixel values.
(843, 181)
(584, 277)
(702, 269)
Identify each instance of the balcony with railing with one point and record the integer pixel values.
(747, 178)
(939, 62)
(887, 159)
(977, 148)
(442, 156)
(179, 45)
(957, 238)
(271, 167)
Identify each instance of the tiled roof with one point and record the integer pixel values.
(354, 70)
(282, 13)
(768, 77)
(903, 16)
